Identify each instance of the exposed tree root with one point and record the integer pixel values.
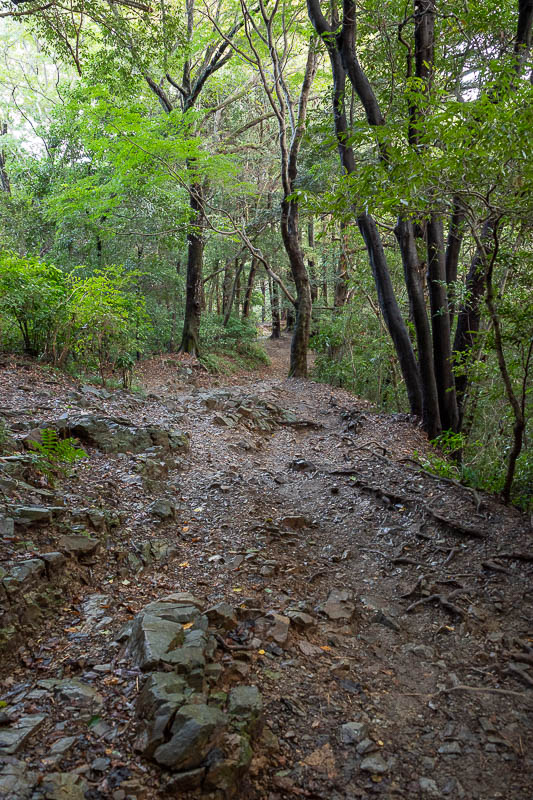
(445, 602)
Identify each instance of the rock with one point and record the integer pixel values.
(429, 787)
(62, 786)
(78, 545)
(279, 629)
(116, 435)
(339, 605)
(15, 735)
(299, 618)
(17, 781)
(295, 523)
(227, 763)
(450, 749)
(366, 746)
(162, 509)
(100, 764)
(302, 465)
(74, 692)
(222, 616)
(185, 781)
(195, 731)
(24, 574)
(153, 640)
(63, 745)
(7, 526)
(183, 599)
(353, 732)
(54, 562)
(380, 618)
(245, 704)
(161, 696)
(375, 763)
(29, 515)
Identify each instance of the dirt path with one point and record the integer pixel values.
(368, 593)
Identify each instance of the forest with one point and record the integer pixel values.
(266, 356)
(173, 176)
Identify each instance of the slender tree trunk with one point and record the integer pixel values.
(190, 341)
(311, 259)
(247, 307)
(411, 268)
(5, 183)
(391, 312)
(275, 309)
(227, 284)
(341, 281)
(453, 249)
(367, 226)
(440, 323)
(302, 326)
(469, 317)
(234, 290)
(263, 305)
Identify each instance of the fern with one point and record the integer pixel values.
(55, 453)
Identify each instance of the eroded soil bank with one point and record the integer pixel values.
(383, 615)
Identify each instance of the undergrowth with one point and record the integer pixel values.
(54, 455)
(231, 348)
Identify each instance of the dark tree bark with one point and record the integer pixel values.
(341, 279)
(247, 307)
(344, 43)
(239, 266)
(190, 340)
(227, 284)
(263, 306)
(411, 267)
(311, 266)
(275, 310)
(440, 324)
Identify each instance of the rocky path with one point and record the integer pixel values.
(326, 619)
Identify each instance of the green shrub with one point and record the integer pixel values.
(35, 297)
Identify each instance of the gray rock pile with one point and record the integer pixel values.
(201, 736)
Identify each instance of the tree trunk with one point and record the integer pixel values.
(311, 259)
(4, 177)
(263, 306)
(469, 317)
(411, 268)
(247, 307)
(341, 281)
(233, 294)
(275, 310)
(391, 312)
(190, 341)
(440, 323)
(227, 285)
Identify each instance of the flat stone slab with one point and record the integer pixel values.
(78, 545)
(17, 781)
(339, 605)
(13, 737)
(74, 692)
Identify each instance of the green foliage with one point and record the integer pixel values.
(236, 341)
(353, 352)
(55, 455)
(34, 297)
(99, 320)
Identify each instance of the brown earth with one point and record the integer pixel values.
(432, 647)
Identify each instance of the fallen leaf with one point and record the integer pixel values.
(184, 564)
